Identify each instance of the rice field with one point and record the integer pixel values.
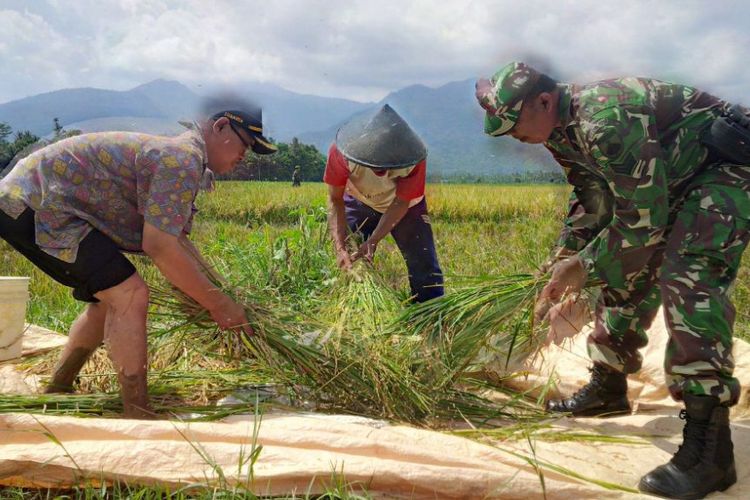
(271, 241)
(479, 229)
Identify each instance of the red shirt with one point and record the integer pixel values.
(406, 183)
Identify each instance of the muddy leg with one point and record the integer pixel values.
(85, 336)
(125, 340)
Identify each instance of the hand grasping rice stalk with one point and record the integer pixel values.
(349, 374)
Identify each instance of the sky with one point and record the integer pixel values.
(362, 50)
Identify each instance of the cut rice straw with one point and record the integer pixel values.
(493, 313)
(345, 374)
(360, 300)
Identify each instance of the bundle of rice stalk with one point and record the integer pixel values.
(109, 405)
(63, 404)
(494, 312)
(344, 376)
(361, 300)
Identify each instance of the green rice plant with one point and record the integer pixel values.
(360, 300)
(492, 313)
(81, 405)
(245, 461)
(339, 488)
(351, 369)
(344, 375)
(345, 359)
(110, 405)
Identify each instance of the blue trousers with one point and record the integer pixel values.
(413, 235)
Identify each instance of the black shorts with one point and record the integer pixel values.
(99, 264)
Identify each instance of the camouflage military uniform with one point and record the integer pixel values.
(658, 219)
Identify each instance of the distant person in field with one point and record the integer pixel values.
(73, 207)
(376, 179)
(297, 177)
(660, 214)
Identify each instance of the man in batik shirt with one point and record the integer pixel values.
(73, 208)
(657, 217)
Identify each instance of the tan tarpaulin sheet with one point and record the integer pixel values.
(301, 452)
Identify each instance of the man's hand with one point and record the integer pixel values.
(541, 309)
(366, 250)
(561, 254)
(568, 277)
(566, 319)
(229, 315)
(343, 259)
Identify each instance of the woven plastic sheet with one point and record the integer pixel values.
(305, 454)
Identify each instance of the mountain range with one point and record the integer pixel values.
(447, 118)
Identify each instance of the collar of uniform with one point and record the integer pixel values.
(565, 113)
(565, 110)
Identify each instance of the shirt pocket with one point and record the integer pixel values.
(720, 228)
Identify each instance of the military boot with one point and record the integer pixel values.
(606, 394)
(705, 461)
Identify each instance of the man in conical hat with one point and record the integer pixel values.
(376, 178)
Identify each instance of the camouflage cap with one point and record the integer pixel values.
(502, 96)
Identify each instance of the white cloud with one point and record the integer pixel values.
(364, 49)
(31, 51)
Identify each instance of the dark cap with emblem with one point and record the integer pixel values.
(252, 123)
(243, 115)
(380, 138)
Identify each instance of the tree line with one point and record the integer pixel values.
(527, 177)
(26, 143)
(10, 146)
(279, 166)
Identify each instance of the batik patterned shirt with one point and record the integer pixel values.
(111, 181)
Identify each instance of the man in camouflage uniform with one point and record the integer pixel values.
(658, 218)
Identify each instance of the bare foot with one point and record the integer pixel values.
(67, 370)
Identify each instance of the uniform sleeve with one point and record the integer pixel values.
(590, 208)
(168, 202)
(624, 143)
(412, 186)
(337, 170)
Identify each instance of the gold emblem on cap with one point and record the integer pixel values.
(233, 117)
